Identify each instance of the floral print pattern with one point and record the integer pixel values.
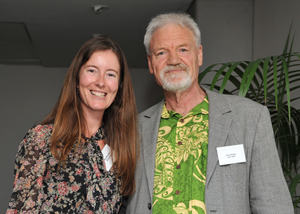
(180, 161)
(82, 185)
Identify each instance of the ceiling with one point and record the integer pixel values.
(50, 32)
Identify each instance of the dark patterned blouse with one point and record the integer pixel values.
(82, 186)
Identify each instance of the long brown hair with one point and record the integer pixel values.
(119, 120)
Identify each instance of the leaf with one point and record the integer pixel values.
(265, 72)
(227, 76)
(293, 184)
(252, 71)
(275, 80)
(219, 72)
(287, 85)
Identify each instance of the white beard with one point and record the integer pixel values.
(175, 82)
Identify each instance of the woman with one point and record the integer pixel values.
(59, 166)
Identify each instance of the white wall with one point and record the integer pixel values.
(146, 91)
(272, 20)
(226, 29)
(27, 94)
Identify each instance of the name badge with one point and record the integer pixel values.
(106, 151)
(231, 154)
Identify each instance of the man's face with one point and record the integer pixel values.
(174, 57)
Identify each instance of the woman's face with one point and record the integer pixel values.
(99, 81)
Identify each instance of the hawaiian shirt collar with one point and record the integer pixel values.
(201, 108)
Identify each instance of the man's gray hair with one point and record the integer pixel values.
(171, 18)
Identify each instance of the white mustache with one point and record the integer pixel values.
(172, 67)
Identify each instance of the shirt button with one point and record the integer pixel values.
(182, 120)
(179, 143)
(178, 167)
(177, 192)
(149, 206)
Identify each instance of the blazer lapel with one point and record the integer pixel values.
(220, 119)
(150, 126)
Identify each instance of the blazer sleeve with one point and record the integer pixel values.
(268, 188)
(124, 205)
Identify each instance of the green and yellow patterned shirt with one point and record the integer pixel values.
(180, 161)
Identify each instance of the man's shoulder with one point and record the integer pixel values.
(234, 101)
(157, 108)
(238, 101)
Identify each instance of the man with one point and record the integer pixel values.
(202, 152)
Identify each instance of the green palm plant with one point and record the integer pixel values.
(272, 81)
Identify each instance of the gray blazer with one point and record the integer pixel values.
(256, 186)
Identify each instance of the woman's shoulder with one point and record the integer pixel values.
(40, 132)
(41, 129)
(37, 137)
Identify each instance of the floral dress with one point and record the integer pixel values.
(81, 186)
